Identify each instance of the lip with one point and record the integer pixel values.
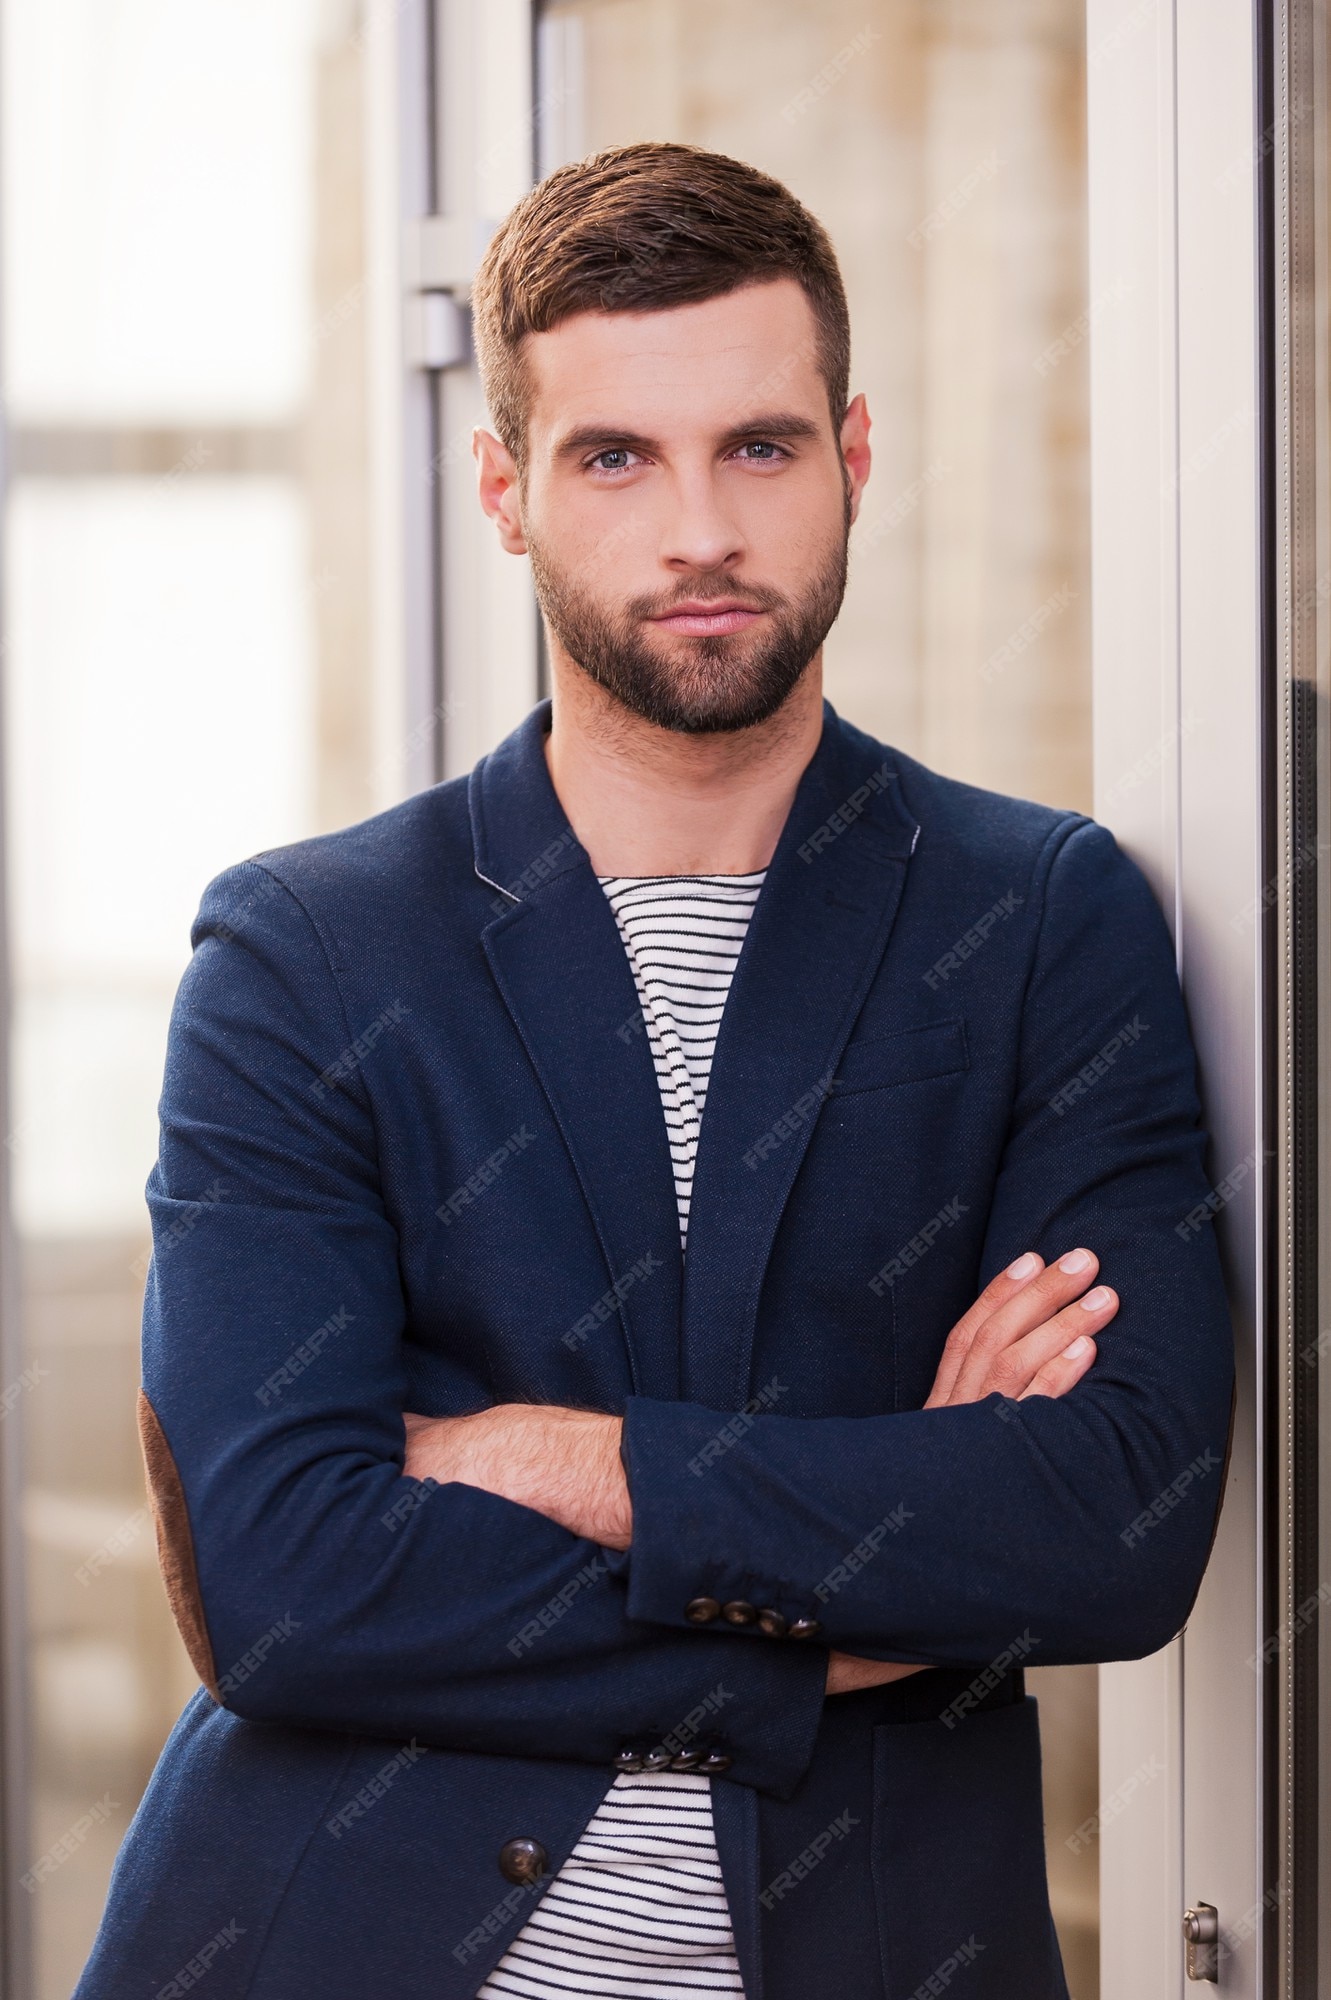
(701, 619)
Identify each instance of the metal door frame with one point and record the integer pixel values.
(1178, 170)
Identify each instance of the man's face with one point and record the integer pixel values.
(687, 507)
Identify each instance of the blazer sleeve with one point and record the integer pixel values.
(1064, 1529)
(312, 1583)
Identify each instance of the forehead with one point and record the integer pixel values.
(704, 362)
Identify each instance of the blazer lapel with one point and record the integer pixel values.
(815, 941)
(559, 962)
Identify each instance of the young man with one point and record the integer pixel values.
(609, 1537)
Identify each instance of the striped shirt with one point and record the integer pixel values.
(639, 1910)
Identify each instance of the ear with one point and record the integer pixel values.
(855, 449)
(497, 485)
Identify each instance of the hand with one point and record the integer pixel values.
(1016, 1339)
(1030, 1332)
(564, 1464)
(847, 1673)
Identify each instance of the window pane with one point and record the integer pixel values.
(157, 208)
(188, 678)
(161, 725)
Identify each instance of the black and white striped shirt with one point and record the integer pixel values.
(639, 1910)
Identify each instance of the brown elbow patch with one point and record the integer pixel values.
(175, 1545)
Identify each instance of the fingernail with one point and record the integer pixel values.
(1079, 1346)
(1025, 1265)
(1098, 1296)
(1076, 1260)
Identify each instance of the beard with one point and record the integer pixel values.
(696, 684)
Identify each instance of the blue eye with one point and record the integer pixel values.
(612, 451)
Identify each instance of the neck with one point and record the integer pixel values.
(650, 801)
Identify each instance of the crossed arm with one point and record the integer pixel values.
(383, 1607)
(1031, 1332)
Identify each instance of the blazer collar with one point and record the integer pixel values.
(815, 941)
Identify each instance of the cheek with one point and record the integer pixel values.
(796, 525)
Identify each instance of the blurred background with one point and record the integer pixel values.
(248, 596)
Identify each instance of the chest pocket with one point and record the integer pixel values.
(873, 1062)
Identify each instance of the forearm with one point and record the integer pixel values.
(939, 1536)
(467, 1622)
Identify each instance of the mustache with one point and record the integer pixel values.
(765, 599)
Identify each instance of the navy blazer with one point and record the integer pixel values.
(413, 1158)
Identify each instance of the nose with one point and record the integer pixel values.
(699, 533)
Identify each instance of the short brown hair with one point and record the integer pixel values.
(639, 229)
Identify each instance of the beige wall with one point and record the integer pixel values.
(942, 143)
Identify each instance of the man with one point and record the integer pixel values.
(610, 1538)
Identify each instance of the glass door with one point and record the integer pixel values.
(188, 677)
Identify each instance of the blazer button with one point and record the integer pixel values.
(772, 1623)
(522, 1860)
(737, 1612)
(803, 1628)
(688, 1760)
(628, 1760)
(714, 1763)
(656, 1760)
(702, 1610)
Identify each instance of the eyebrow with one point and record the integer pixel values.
(609, 436)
